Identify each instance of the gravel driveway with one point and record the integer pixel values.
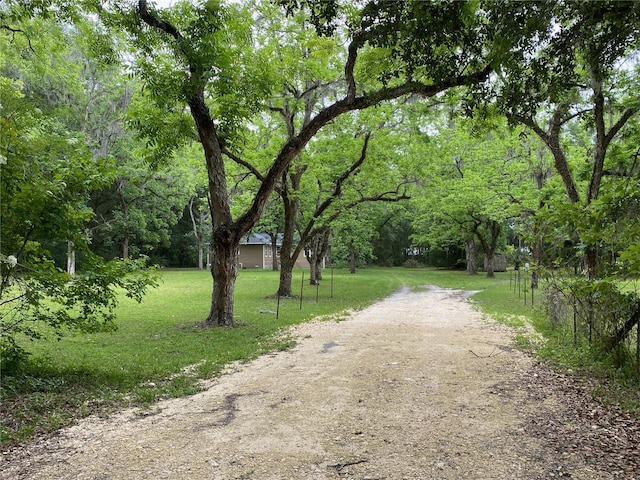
(418, 386)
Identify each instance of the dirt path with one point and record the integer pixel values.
(418, 386)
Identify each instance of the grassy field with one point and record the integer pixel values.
(161, 350)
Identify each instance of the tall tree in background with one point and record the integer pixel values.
(136, 212)
(352, 235)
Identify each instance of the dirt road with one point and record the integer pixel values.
(418, 386)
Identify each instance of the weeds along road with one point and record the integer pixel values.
(418, 386)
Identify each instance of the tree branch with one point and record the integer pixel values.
(338, 184)
(295, 144)
(626, 115)
(306, 233)
(256, 173)
(18, 30)
(552, 139)
(381, 197)
(150, 19)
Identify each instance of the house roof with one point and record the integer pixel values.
(259, 239)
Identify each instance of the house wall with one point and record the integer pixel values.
(301, 261)
(251, 256)
(258, 256)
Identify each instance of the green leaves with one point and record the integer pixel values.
(43, 295)
(473, 179)
(210, 51)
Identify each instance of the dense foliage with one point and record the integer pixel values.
(50, 165)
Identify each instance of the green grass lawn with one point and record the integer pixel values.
(161, 349)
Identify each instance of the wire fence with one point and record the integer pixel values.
(598, 314)
(523, 286)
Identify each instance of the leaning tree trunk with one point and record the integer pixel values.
(471, 256)
(224, 270)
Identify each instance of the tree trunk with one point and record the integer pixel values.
(225, 234)
(125, 247)
(196, 233)
(323, 245)
(289, 253)
(590, 259)
(286, 277)
(537, 248)
(614, 340)
(471, 255)
(536, 251)
(313, 274)
(490, 267)
(274, 251)
(71, 259)
(224, 270)
(200, 255)
(317, 249)
(318, 268)
(352, 257)
(490, 247)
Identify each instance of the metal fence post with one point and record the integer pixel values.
(532, 289)
(331, 282)
(519, 291)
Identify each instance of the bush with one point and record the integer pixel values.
(412, 263)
